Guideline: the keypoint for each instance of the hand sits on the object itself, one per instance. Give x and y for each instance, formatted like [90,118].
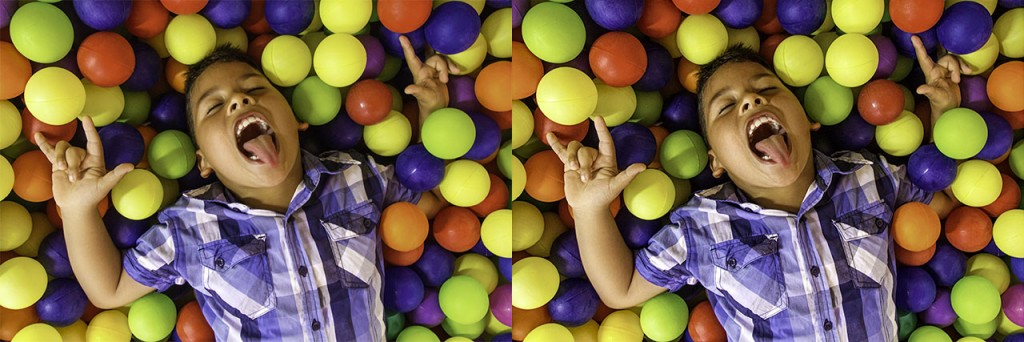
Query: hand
[592,178]
[80,177]
[942,79]
[430,79]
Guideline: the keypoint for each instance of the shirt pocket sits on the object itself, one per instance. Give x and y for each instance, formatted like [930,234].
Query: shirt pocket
[866,243]
[353,243]
[237,274]
[748,272]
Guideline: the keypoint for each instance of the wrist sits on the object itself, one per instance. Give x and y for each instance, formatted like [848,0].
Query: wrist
[78,210]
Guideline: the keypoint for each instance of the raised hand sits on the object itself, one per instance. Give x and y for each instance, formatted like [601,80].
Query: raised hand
[80,177]
[942,79]
[430,78]
[592,178]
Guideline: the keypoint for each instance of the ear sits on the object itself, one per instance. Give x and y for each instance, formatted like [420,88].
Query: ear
[205,169]
[303,126]
[815,126]
[717,170]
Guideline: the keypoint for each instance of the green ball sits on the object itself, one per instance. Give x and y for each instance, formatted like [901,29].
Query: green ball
[650,195]
[136,108]
[905,324]
[902,136]
[315,102]
[984,330]
[152,317]
[463,299]
[41,32]
[553,32]
[960,133]
[10,126]
[684,154]
[827,102]
[977,183]
[391,66]
[929,333]
[448,133]
[648,108]
[663,318]
[390,136]
[393,325]
[138,195]
[171,154]
[470,330]
[903,67]
[417,333]
[975,299]
[1017,159]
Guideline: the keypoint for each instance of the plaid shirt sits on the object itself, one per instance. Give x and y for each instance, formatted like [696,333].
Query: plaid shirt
[824,273]
[311,274]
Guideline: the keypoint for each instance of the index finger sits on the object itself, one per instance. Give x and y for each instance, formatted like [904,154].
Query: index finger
[93,144]
[605,144]
[557,147]
[922,54]
[410,54]
[45,147]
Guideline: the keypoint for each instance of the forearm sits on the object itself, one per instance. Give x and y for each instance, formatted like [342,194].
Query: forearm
[95,260]
[606,258]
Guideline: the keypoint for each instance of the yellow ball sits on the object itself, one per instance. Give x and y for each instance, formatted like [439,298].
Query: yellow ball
[159,43]
[494,326]
[10,128]
[6,177]
[747,37]
[1008,233]
[103,104]
[528,226]
[478,267]
[286,60]
[535,283]
[17,225]
[37,332]
[497,28]
[339,60]
[549,332]
[622,325]
[902,136]
[22,282]
[54,96]
[798,60]
[851,60]
[522,124]
[1008,31]
[990,267]
[857,16]
[465,183]
[586,332]
[390,136]
[567,96]
[496,232]
[110,325]
[1006,326]
[553,227]
[345,16]
[615,104]
[650,195]
[138,195]
[701,38]
[41,227]
[232,36]
[984,58]
[189,38]
[74,332]
[977,183]
[471,59]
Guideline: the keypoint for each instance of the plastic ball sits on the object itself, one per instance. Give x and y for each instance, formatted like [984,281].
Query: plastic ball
[403,290]
[23,281]
[700,48]
[152,317]
[615,104]
[6,178]
[634,144]
[801,16]
[575,302]
[1000,86]
[1008,234]
[478,267]
[497,198]
[960,133]
[650,195]
[110,325]
[171,154]
[915,289]
[463,299]
[448,133]
[977,183]
[33,181]
[286,60]
[968,229]
[12,82]
[1000,137]
[73,332]
[566,96]
[940,313]
[1009,198]
[403,226]
[857,16]
[975,299]
[828,102]
[888,57]
[418,170]
[664,317]
[622,325]
[738,13]
[289,17]
[618,59]
[683,154]
[1010,40]
[124,144]
[1013,303]
[339,60]
[1016,159]
[189,38]
[880,102]
[496,232]
[528,227]
[17,225]
[536,282]
[106,59]
[368,102]
[549,332]
[964,27]
[54,96]
[390,136]
[191,325]
[226,13]
[528,71]
[428,313]
[138,195]
[492,87]
[435,265]
[41,43]
[902,136]
[37,332]
[124,232]
[345,16]
[168,113]
[317,103]
[403,16]
[984,58]
[465,183]
[915,16]
[930,170]
[452,27]
[851,60]
[553,32]
[930,334]
[147,67]
[990,267]
[615,15]
[53,255]
[798,61]
[488,137]
[565,255]
[915,227]
[417,333]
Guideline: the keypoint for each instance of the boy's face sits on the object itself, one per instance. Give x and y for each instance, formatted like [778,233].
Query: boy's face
[245,130]
[756,128]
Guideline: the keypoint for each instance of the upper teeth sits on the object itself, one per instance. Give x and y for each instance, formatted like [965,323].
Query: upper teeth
[761,121]
[248,121]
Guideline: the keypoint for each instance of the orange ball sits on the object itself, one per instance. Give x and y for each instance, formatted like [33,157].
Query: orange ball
[147,19]
[768,22]
[192,325]
[968,229]
[915,16]
[402,258]
[704,325]
[147,135]
[53,214]
[183,7]
[368,102]
[915,226]
[602,312]
[1016,119]
[524,321]
[696,7]
[492,87]
[12,321]
[618,59]
[1008,198]
[565,214]
[527,71]
[687,73]
[542,126]
[909,258]
[403,16]
[32,172]
[403,226]
[53,134]
[659,18]
[175,72]
[17,71]
[256,24]
[497,198]
[544,177]
[106,59]
[659,136]
[1004,86]
[456,229]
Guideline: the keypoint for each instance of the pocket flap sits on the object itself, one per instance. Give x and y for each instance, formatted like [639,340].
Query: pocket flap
[738,253]
[869,221]
[349,223]
[226,253]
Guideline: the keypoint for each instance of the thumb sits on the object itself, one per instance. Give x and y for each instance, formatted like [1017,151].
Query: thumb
[623,178]
[413,90]
[114,176]
[925,90]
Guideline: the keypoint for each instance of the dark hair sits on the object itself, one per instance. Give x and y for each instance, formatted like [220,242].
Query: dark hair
[222,54]
[734,54]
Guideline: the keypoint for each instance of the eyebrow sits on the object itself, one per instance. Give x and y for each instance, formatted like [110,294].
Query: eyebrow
[240,79]
[722,91]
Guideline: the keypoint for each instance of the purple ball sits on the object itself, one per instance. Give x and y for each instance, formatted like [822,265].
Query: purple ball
[488,137]
[931,170]
[887,56]
[634,143]
[288,16]
[499,3]
[103,15]
[947,265]
[419,170]
[53,255]
[738,14]
[375,56]
[452,27]
[974,93]
[393,47]
[801,16]
[615,15]
[660,68]
[680,112]
[7,8]
[964,27]
[507,337]
[428,313]
[462,94]
[991,248]
[435,265]
[636,231]
[1008,4]
[403,289]
[575,303]
[706,180]
[63,303]
[194,180]
[501,304]
[341,133]
[581,63]
[1017,267]
[565,255]
[940,313]
[1018,337]
[123,231]
[148,68]
[1013,303]
[479,248]
[123,144]
[853,133]
[1000,137]
[905,47]
[226,13]
[505,267]
[519,9]
[915,289]
[168,112]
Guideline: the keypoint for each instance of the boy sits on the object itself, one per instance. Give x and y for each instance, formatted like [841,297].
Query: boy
[283,247]
[795,248]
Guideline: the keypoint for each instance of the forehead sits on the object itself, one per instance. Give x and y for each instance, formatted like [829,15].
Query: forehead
[220,74]
[734,74]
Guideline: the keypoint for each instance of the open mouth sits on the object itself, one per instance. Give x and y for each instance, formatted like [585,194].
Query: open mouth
[255,139]
[768,139]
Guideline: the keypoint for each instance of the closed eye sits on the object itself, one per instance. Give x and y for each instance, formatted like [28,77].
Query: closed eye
[766,90]
[213,108]
[253,90]
[725,109]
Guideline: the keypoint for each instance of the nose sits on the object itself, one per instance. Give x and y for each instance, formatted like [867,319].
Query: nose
[752,101]
[240,100]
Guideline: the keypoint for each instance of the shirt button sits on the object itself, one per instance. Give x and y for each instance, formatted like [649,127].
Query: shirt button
[731,262]
[219,262]
[828,325]
[303,271]
[316,325]
[815,271]
[367,224]
[879,223]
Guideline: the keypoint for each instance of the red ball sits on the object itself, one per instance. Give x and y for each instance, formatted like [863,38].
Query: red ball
[915,16]
[704,325]
[183,7]
[1008,198]
[256,23]
[769,45]
[659,18]
[542,126]
[968,229]
[398,258]
[106,59]
[696,7]
[497,198]
[147,19]
[403,16]
[456,229]
[618,59]
[368,102]
[880,102]
[192,326]
[768,22]
[53,134]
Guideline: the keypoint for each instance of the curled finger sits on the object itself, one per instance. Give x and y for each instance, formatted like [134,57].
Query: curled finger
[59,158]
[586,156]
[572,155]
[74,157]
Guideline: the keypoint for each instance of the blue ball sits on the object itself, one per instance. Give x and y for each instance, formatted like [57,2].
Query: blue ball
[853,133]
[194,180]
[53,255]
[801,16]
[947,265]
[660,68]
[226,13]
[615,15]
[419,170]
[991,248]
[394,47]
[148,67]
[341,133]
[488,137]
[1010,4]
[168,112]
[462,94]
[636,231]
[507,337]
[738,14]
[435,265]
[505,267]
[403,289]
[289,16]
[479,248]
[63,303]
[452,27]
[964,27]
[634,143]
[499,3]
[565,255]
[915,289]
[706,180]
[906,47]
[1017,337]
[1000,137]
[575,303]
[931,170]
[124,144]
[123,231]
[680,112]
[102,15]
[1017,267]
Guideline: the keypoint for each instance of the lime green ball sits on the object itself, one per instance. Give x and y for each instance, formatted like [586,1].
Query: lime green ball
[417,333]
[315,102]
[37,332]
[478,267]
[152,317]
[138,195]
[465,183]
[902,136]
[497,29]
[798,60]
[463,299]
[650,195]
[549,332]
[345,16]
[975,299]
[648,108]
[615,104]
[396,98]
[857,16]
[684,154]
[977,183]
[464,330]
[6,177]
[23,281]
[990,267]
[664,317]
[1017,159]
[110,325]
[171,154]
[469,60]
[339,60]
[960,133]
[908,99]
[54,96]
[1008,233]
[701,38]
[103,104]
[17,222]
[136,108]
[928,333]
[622,325]
[495,327]
[527,227]
[851,60]
[566,95]
[496,232]
[553,32]
[189,38]
[41,32]
[970,339]
[983,330]
[448,133]
[10,125]
[390,136]
[522,124]
[1007,30]
[827,102]
[536,281]
[286,60]
[512,168]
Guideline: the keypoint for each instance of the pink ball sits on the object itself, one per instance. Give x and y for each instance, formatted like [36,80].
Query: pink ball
[501,304]
[1013,304]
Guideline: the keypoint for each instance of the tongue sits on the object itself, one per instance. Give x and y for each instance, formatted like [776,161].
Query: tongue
[263,148]
[775,147]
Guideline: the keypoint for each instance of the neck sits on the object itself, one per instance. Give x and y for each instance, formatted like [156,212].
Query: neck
[275,198]
[787,198]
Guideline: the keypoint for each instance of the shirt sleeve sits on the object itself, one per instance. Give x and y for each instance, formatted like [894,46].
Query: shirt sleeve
[151,262]
[394,191]
[662,261]
[906,191]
